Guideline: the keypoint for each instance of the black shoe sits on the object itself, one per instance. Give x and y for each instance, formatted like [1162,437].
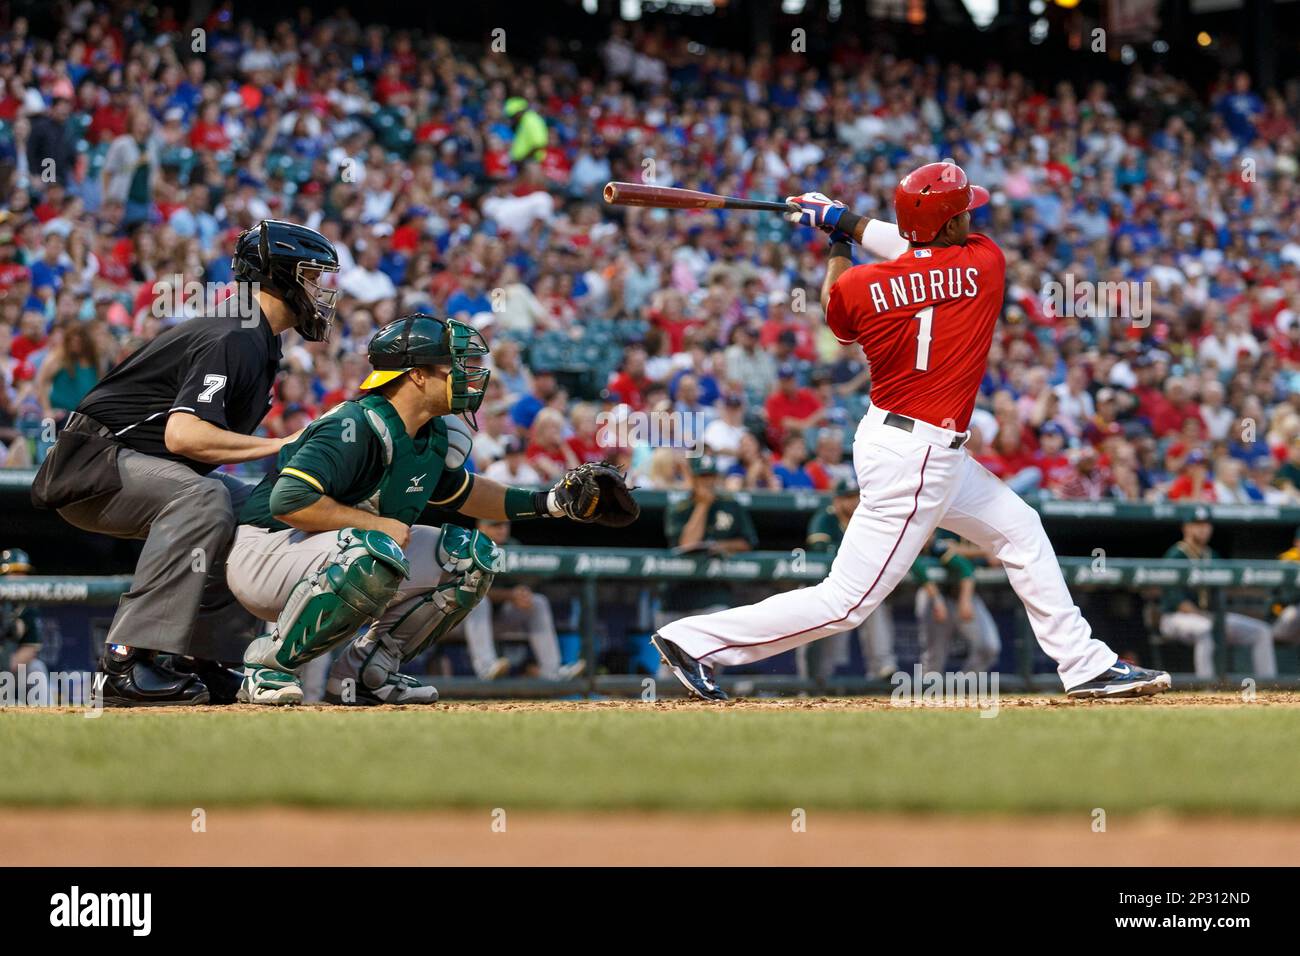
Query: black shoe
[222,683]
[133,678]
[695,677]
[1122,680]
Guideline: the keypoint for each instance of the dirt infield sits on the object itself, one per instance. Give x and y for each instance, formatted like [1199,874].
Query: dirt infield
[1270,698]
[466,838]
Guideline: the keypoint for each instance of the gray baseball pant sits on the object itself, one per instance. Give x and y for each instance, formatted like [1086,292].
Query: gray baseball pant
[178,601]
[536,623]
[935,637]
[876,638]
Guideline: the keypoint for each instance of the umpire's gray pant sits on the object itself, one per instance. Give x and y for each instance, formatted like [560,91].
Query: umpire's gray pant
[178,601]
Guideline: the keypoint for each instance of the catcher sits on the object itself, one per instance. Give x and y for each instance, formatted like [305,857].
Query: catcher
[328,545]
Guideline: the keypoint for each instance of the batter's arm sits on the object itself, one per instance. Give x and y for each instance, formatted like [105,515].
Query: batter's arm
[840,262]
[879,238]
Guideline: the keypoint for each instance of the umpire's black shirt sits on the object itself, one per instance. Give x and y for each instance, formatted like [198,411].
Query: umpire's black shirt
[221,370]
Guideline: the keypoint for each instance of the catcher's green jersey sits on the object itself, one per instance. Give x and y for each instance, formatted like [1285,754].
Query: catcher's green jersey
[359,454]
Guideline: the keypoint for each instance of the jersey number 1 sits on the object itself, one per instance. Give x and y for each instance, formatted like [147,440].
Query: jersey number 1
[926,317]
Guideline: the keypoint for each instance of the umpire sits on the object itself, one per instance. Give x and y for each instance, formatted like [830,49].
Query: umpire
[137,456]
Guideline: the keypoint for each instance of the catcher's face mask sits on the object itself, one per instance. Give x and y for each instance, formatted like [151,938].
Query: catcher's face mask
[467,384]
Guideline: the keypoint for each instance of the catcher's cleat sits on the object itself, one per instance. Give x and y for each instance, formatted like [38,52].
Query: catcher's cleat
[263,685]
[132,677]
[1122,680]
[396,689]
[695,676]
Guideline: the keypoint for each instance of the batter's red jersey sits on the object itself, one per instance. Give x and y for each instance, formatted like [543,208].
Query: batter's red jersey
[925,321]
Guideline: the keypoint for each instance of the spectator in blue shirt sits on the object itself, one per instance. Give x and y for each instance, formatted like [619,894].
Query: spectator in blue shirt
[1239,108]
[48,271]
[526,408]
[790,470]
[470,299]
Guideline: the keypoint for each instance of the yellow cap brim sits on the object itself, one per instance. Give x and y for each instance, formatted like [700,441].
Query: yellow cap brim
[377,378]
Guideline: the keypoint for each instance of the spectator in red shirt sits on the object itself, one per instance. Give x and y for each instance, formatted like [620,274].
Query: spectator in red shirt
[792,407]
[668,313]
[547,451]
[208,135]
[1151,401]
[585,440]
[1089,481]
[628,385]
[1286,347]
[828,465]
[109,120]
[1194,483]
[390,89]
[1178,408]
[353,368]
[556,167]
[12,272]
[1012,455]
[31,335]
[1051,459]
[779,319]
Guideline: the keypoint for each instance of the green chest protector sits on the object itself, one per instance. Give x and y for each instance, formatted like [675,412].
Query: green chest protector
[412,467]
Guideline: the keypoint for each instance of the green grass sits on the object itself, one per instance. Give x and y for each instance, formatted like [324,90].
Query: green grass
[1186,759]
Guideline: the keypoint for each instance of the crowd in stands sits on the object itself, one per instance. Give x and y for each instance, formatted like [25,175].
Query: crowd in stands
[467,184]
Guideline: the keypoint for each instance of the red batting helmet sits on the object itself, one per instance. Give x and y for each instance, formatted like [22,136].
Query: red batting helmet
[931,195]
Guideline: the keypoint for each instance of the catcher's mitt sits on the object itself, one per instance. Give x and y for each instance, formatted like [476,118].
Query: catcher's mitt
[596,493]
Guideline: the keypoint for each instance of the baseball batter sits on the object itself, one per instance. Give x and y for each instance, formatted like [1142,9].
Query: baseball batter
[925,319]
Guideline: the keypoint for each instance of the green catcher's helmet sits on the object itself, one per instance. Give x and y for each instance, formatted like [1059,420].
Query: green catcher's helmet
[415,340]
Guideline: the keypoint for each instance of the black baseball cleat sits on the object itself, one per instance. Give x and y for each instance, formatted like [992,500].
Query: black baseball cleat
[222,683]
[131,677]
[1122,680]
[695,676]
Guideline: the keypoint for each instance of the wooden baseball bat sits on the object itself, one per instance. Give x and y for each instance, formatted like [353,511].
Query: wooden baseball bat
[668,197]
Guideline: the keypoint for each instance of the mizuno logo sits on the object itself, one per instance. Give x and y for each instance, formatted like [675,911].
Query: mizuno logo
[415,484]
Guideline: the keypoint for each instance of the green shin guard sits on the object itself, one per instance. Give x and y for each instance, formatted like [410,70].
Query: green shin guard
[329,605]
[471,561]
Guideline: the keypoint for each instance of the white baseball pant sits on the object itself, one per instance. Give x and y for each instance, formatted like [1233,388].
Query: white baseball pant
[911,483]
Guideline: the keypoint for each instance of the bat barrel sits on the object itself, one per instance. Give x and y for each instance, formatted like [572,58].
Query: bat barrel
[668,197]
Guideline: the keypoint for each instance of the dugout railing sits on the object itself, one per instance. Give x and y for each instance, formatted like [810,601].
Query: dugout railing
[594,578]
